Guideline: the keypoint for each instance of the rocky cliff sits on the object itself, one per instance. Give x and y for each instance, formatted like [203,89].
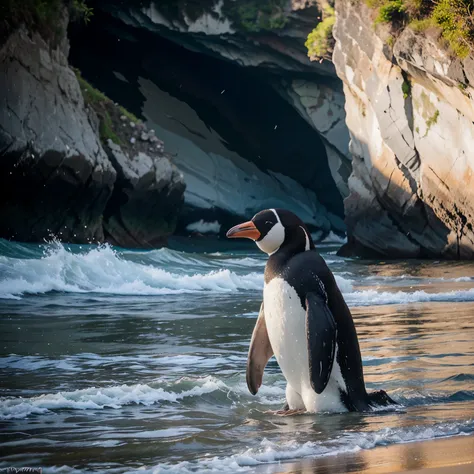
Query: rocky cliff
[249,121]
[410,112]
[57,178]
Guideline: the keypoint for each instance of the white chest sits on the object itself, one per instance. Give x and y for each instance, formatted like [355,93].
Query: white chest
[286,327]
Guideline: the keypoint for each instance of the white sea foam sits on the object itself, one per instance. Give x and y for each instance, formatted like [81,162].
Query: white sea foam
[419,279]
[373,297]
[344,284]
[114,397]
[99,398]
[271,452]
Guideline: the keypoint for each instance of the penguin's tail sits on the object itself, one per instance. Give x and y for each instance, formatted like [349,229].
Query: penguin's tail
[381,399]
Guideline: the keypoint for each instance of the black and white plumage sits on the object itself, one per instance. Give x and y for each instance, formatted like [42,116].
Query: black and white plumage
[304,321]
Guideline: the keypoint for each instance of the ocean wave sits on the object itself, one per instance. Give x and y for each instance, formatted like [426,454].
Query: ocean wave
[103,270]
[107,271]
[404,279]
[106,397]
[271,452]
[244,262]
[424,397]
[33,363]
[373,297]
[117,396]
[344,284]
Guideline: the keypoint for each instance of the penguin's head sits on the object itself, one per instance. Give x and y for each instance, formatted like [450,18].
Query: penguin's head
[273,229]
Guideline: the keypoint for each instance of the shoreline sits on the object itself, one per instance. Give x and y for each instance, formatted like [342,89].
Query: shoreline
[454,455]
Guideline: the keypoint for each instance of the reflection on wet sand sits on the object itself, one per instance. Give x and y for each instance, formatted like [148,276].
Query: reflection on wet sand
[418,340]
[443,456]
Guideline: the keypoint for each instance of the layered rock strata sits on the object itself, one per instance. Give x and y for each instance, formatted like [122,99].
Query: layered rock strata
[410,113]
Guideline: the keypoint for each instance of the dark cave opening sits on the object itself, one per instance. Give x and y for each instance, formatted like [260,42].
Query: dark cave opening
[238,104]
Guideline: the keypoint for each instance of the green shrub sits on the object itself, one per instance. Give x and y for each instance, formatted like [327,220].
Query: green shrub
[320,40]
[406,89]
[457,24]
[454,18]
[78,10]
[390,11]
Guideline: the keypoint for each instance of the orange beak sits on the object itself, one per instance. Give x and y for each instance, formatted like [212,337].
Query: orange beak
[245,230]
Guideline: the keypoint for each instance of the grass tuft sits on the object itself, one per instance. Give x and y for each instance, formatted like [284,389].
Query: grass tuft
[106,129]
[103,107]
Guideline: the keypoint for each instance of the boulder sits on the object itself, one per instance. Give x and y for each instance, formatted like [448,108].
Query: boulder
[147,198]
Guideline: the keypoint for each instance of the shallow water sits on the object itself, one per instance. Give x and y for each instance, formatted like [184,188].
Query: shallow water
[126,360]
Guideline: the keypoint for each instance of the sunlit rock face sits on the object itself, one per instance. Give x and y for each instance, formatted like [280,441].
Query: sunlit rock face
[248,119]
[410,113]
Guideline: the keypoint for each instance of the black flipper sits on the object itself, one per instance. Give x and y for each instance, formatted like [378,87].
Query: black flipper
[321,334]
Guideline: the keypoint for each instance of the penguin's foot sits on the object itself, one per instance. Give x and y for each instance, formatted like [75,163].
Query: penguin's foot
[380,398]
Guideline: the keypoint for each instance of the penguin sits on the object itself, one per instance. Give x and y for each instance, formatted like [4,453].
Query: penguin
[305,322]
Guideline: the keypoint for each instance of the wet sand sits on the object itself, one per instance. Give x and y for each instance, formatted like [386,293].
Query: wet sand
[441,456]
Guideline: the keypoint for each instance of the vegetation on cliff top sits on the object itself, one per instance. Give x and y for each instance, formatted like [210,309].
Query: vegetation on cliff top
[454,18]
[320,40]
[43,16]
